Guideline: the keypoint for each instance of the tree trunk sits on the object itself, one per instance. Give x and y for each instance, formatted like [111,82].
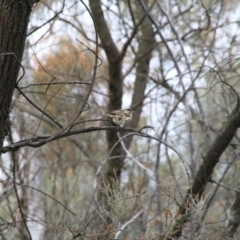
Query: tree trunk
[14,19]
[110,175]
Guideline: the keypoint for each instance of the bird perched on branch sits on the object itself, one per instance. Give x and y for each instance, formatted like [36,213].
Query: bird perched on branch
[121,116]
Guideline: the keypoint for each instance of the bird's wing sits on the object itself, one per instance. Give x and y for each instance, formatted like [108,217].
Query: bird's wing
[109,115]
[117,112]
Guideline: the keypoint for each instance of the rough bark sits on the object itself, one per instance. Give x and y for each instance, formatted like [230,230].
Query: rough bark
[205,171]
[14,17]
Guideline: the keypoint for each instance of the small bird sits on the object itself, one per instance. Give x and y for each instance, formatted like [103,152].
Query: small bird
[121,116]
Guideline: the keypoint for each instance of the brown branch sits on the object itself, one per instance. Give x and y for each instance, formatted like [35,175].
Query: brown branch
[39,141]
[26,186]
[54,83]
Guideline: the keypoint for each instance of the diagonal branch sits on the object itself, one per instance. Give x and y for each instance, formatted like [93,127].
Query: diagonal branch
[205,171]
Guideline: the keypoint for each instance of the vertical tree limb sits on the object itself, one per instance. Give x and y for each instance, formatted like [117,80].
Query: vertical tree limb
[113,168]
[13,29]
[146,46]
[112,171]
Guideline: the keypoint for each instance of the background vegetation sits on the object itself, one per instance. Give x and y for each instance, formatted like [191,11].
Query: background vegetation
[67,172]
